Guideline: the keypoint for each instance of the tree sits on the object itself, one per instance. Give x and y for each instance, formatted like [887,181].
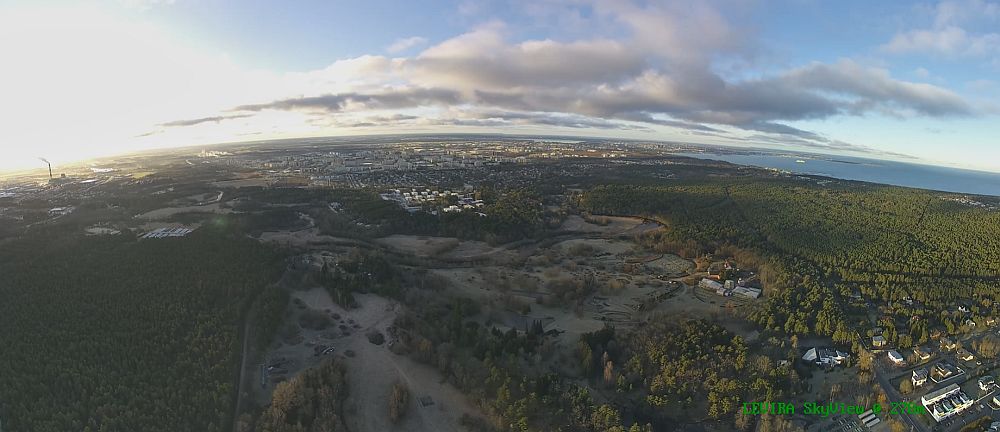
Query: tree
[905,386]
[399,401]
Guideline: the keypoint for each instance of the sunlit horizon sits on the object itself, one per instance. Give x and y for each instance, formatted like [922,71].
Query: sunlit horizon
[104,78]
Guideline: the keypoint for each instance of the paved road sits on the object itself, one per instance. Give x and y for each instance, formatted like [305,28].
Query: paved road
[238,406]
[894,396]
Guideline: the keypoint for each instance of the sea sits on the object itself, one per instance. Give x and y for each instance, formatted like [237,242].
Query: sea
[895,173]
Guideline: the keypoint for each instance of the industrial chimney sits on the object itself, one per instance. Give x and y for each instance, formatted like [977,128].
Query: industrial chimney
[50,166]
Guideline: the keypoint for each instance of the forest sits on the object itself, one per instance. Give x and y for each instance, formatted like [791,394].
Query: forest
[823,243]
[114,334]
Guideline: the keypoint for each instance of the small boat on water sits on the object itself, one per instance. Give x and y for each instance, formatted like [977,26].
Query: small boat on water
[800,161]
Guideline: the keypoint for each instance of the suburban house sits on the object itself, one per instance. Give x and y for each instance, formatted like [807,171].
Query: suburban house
[986,383]
[825,357]
[965,355]
[922,353]
[878,341]
[947,344]
[896,358]
[919,377]
[944,370]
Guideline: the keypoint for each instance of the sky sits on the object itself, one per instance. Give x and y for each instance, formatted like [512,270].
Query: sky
[911,81]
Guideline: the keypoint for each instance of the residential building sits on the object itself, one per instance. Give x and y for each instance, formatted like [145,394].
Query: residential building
[944,370]
[965,355]
[986,383]
[896,358]
[947,344]
[946,402]
[878,341]
[825,357]
[919,377]
[923,354]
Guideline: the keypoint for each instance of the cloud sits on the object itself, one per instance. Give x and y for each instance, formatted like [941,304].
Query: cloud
[959,28]
[955,12]
[405,44]
[656,71]
[342,102]
[947,41]
[213,119]
[484,60]
[145,4]
[553,119]
[874,88]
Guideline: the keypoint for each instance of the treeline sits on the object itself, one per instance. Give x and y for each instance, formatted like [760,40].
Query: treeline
[111,334]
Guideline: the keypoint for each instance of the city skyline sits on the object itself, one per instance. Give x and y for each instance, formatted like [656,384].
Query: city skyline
[902,81]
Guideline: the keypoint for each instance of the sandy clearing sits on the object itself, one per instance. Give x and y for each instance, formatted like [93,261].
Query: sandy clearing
[600,246]
[373,369]
[304,238]
[164,213]
[424,246]
[250,182]
[481,285]
[670,264]
[615,224]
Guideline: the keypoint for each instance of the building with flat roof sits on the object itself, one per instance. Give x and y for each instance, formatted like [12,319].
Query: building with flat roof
[746,292]
[946,402]
[710,284]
